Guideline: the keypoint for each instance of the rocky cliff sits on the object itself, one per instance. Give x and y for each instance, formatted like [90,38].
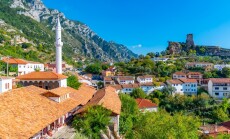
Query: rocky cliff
[80,41]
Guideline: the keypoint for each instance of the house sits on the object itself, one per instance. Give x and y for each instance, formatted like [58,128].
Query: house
[108,81]
[47,80]
[23,66]
[128,88]
[38,113]
[52,67]
[5,84]
[178,75]
[146,105]
[207,66]
[147,87]
[158,59]
[109,99]
[184,86]
[220,67]
[125,80]
[111,71]
[195,75]
[214,129]
[145,79]
[219,87]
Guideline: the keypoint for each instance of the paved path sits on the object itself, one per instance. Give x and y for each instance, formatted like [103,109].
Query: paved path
[65,132]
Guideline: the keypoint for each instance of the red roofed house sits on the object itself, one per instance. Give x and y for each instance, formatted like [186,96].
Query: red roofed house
[195,75]
[146,105]
[178,75]
[219,87]
[125,80]
[184,86]
[24,66]
[46,80]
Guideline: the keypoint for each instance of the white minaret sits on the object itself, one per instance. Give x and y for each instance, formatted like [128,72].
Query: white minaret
[58,45]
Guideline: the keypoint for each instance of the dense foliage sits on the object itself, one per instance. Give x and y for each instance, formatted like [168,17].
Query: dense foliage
[72,81]
[92,122]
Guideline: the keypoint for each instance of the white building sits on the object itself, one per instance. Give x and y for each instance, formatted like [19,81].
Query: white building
[219,87]
[149,87]
[184,86]
[125,80]
[146,105]
[128,88]
[23,66]
[220,67]
[158,59]
[145,79]
[179,75]
[5,84]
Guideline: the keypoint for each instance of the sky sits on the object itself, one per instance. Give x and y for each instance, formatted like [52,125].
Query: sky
[147,25]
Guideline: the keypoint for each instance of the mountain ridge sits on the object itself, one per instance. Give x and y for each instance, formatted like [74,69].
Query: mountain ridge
[80,42]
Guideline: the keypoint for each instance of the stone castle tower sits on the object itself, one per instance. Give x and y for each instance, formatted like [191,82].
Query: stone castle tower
[58,45]
[189,41]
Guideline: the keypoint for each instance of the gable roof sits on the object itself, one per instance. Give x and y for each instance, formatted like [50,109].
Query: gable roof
[175,81]
[145,76]
[106,97]
[220,80]
[188,80]
[123,78]
[41,75]
[145,103]
[24,111]
[14,61]
[180,73]
[194,73]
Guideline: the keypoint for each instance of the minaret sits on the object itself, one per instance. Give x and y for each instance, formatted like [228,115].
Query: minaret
[58,45]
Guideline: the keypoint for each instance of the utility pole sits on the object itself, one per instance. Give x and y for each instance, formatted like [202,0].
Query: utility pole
[7,67]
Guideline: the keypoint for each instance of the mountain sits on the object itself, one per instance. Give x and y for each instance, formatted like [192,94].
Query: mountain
[31,24]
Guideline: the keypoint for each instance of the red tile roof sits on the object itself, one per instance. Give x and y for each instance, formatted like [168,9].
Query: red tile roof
[107,97]
[180,73]
[122,78]
[194,73]
[145,103]
[130,85]
[175,81]
[108,79]
[188,80]
[14,61]
[220,80]
[38,75]
[145,76]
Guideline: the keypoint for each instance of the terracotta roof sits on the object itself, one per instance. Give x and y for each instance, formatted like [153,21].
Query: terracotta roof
[145,103]
[49,65]
[106,97]
[14,61]
[220,80]
[108,79]
[213,128]
[146,84]
[194,73]
[188,80]
[130,85]
[117,87]
[29,112]
[226,124]
[38,75]
[4,77]
[180,73]
[145,76]
[122,78]
[175,81]
[62,91]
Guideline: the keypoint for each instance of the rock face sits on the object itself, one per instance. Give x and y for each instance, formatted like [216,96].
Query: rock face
[78,37]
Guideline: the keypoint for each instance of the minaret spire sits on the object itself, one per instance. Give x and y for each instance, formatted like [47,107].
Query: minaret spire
[58,45]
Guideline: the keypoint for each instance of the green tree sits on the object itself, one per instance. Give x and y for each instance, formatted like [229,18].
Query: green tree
[129,115]
[162,125]
[226,72]
[94,69]
[138,93]
[72,81]
[151,54]
[93,121]
[168,89]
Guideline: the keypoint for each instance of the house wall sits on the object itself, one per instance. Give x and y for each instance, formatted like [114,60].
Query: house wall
[63,83]
[28,68]
[125,81]
[175,76]
[190,88]
[146,80]
[5,85]
[153,109]
[179,88]
[219,91]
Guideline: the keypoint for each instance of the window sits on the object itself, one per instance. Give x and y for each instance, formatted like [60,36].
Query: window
[216,88]
[181,90]
[225,88]
[217,94]
[225,94]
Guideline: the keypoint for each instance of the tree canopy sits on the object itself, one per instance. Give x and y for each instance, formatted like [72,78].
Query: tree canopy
[72,81]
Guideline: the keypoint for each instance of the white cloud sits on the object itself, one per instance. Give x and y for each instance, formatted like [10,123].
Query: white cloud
[137,46]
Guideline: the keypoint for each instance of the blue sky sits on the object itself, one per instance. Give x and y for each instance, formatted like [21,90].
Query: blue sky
[146,25]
